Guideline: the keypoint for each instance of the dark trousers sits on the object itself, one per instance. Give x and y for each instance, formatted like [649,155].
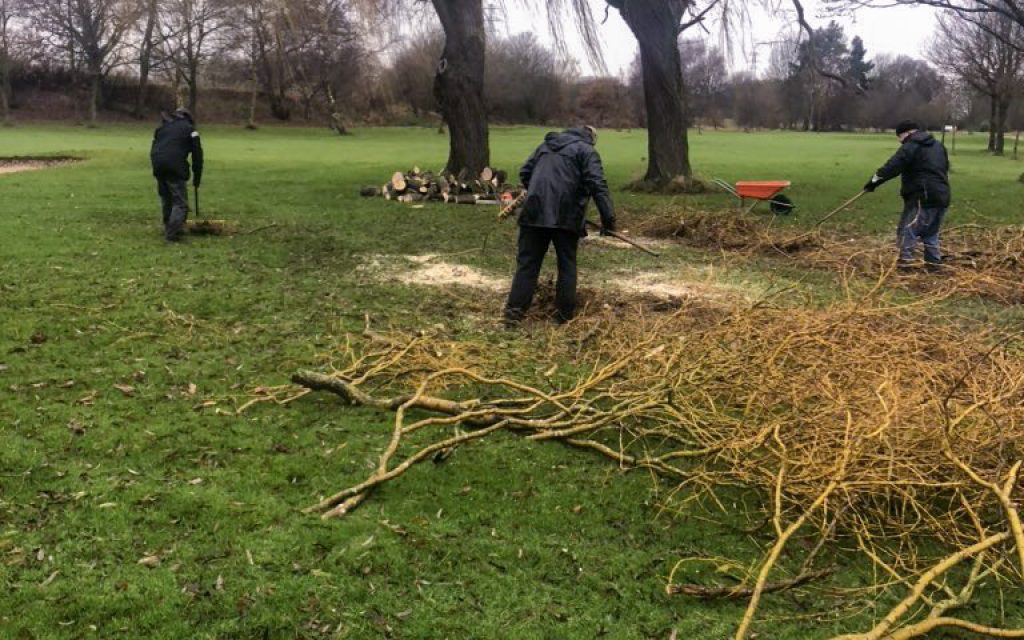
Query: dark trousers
[533,244]
[174,201]
[920,223]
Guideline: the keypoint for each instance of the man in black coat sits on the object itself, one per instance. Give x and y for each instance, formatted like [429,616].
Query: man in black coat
[560,177]
[924,166]
[173,142]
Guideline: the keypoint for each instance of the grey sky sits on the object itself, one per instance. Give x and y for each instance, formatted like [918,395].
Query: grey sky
[905,30]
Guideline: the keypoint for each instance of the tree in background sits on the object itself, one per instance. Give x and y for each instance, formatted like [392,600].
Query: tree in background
[816,75]
[187,30]
[987,54]
[602,102]
[657,25]
[524,81]
[411,76]
[7,10]
[704,80]
[90,32]
[904,88]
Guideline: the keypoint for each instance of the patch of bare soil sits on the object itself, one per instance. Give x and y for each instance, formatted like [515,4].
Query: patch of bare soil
[19,164]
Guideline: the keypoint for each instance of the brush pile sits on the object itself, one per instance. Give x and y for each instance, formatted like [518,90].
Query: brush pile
[980,262]
[490,187]
[879,430]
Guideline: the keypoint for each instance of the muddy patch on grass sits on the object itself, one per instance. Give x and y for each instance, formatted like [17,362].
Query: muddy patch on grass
[30,163]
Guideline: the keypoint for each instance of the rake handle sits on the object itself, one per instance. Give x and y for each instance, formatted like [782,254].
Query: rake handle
[629,241]
[840,208]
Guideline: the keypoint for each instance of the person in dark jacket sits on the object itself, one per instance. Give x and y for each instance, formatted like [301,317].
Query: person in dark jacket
[173,142]
[560,177]
[924,166]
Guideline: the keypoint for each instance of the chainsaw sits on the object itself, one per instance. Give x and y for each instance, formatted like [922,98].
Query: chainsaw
[507,210]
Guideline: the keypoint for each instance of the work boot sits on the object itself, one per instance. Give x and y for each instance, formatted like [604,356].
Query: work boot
[935,267]
[512,318]
[906,266]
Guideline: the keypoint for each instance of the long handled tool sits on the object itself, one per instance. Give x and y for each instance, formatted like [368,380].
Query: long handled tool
[840,208]
[829,215]
[626,239]
[195,190]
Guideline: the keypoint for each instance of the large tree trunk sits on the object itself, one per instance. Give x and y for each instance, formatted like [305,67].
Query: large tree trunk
[145,59]
[94,96]
[1002,112]
[459,84]
[5,88]
[992,123]
[254,90]
[655,23]
[193,87]
[337,123]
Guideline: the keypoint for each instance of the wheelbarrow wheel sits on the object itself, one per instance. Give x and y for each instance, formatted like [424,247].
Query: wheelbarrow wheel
[781,205]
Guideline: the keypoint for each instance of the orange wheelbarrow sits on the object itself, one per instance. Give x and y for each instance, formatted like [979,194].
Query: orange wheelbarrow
[759,191]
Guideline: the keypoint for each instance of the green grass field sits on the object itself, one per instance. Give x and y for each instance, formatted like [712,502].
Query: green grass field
[514,540]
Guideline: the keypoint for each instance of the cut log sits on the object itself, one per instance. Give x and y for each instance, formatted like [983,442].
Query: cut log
[369,192]
[486,174]
[398,181]
[443,185]
[411,196]
[500,177]
[466,198]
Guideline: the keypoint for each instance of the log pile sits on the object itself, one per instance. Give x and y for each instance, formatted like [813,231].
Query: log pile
[490,187]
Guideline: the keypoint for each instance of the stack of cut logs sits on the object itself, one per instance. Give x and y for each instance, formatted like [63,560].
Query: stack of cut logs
[415,186]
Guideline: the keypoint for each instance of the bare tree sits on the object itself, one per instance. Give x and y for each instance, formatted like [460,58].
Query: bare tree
[984,53]
[90,31]
[7,10]
[186,30]
[704,78]
[145,49]
[974,11]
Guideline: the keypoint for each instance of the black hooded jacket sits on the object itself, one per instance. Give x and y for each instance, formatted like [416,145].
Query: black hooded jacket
[559,177]
[173,141]
[924,165]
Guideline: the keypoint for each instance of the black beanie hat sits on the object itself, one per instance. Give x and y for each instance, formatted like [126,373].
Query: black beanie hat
[905,126]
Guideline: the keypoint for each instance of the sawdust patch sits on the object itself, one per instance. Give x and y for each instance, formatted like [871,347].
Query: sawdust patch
[431,270]
[665,286]
[17,165]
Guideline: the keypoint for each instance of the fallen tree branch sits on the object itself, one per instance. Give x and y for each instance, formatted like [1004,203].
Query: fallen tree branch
[739,592]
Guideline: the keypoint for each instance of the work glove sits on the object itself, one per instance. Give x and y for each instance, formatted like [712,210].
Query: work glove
[871,185]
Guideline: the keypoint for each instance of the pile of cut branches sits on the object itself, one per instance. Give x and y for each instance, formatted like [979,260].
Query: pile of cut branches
[982,262]
[867,426]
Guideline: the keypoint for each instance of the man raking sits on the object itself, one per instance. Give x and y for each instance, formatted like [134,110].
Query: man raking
[173,142]
[924,166]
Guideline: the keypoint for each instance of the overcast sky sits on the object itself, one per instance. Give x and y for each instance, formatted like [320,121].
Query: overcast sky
[905,30]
